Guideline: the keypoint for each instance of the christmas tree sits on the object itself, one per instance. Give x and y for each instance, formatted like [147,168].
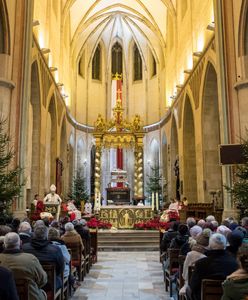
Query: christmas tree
[79,190]
[154,183]
[239,190]
[10,185]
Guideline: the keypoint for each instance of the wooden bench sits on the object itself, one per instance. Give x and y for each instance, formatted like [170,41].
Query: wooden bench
[52,293]
[172,255]
[86,253]
[22,286]
[77,258]
[211,289]
[180,280]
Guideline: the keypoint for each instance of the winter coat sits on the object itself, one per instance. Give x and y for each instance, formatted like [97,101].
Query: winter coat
[235,287]
[26,266]
[179,241]
[66,255]
[217,265]
[45,251]
[72,237]
[7,285]
[167,238]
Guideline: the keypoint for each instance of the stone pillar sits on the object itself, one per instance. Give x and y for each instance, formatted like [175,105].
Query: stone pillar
[98,169]
[138,173]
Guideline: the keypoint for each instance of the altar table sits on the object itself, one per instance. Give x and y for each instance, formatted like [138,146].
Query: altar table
[125,216]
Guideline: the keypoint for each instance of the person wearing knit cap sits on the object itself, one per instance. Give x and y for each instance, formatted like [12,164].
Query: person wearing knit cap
[234,239]
[197,252]
[194,232]
[201,223]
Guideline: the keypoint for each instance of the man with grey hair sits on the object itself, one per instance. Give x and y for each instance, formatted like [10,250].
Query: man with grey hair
[210,218]
[217,265]
[23,265]
[45,251]
[25,232]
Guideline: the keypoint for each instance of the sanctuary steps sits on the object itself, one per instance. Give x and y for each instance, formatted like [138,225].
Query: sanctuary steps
[128,240]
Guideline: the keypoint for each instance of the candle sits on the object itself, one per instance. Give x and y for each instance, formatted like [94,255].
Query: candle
[99,204]
[157,204]
[95,205]
[152,201]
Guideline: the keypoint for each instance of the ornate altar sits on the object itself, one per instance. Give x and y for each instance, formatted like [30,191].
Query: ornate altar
[119,133]
[53,209]
[124,217]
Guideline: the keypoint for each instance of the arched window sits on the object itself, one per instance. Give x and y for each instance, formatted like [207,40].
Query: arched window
[4,29]
[246,35]
[116,59]
[154,66]
[81,65]
[96,64]
[137,64]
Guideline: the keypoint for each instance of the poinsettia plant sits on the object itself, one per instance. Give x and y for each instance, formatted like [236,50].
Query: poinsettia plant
[153,224]
[95,223]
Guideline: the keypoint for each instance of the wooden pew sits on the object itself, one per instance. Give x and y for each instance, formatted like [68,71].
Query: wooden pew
[22,286]
[52,293]
[211,289]
[77,259]
[180,280]
[172,255]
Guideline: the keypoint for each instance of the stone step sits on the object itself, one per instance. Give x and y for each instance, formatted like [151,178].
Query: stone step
[128,240]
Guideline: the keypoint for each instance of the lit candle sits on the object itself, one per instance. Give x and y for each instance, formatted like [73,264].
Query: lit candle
[152,201]
[157,206]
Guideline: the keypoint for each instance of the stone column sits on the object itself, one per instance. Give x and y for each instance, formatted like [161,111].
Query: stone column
[138,173]
[98,169]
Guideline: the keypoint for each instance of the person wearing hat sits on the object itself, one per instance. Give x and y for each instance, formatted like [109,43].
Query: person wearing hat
[197,252]
[234,239]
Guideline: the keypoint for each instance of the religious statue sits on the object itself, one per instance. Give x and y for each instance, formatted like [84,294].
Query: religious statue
[88,208]
[100,124]
[136,123]
[52,200]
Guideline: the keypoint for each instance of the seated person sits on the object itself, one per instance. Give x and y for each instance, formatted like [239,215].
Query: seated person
[45,251]
[217,265]
[168,236]
[4,229]
[181,238]
[24,266]
[83,230]
[71,236]
[25,232]
[7,285]
[54,237]
[235,287]
[234,239]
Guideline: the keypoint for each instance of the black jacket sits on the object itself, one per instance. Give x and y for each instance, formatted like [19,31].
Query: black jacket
[167,238]
[179,241]
[7,285]
[217,265]
[45,251]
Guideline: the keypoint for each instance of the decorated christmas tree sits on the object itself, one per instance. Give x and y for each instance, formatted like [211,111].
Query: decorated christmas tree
[79,190]
[239,190]
[10,185]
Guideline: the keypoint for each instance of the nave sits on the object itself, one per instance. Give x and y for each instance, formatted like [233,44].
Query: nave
[124,276]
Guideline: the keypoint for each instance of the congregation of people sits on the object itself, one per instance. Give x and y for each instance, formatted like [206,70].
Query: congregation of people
[25,248]
[209,250]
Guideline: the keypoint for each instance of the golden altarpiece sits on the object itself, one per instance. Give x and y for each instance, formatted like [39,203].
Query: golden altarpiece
[120,133]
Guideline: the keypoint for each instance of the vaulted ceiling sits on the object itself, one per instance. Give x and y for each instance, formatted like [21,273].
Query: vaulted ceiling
[143,21]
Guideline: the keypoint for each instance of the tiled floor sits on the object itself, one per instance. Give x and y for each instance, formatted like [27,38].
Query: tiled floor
[124,276]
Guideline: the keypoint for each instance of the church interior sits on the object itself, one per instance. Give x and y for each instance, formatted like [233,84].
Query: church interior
[140,106]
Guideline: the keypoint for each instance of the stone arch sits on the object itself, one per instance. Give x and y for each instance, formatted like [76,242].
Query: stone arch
[35,129]
[154,153]
[92,169]
[4,29]
[63,155]
[174,157]
[210,133]
[164,159]
[189,188]
[71,147]
[51,144]
[243,37]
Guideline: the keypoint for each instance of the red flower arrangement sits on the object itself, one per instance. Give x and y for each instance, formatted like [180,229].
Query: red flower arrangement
[153,224]
[95,223]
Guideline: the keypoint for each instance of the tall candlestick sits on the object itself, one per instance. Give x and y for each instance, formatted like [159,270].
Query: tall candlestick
[152,201]
[99,200]
[95,204]
[157,204]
